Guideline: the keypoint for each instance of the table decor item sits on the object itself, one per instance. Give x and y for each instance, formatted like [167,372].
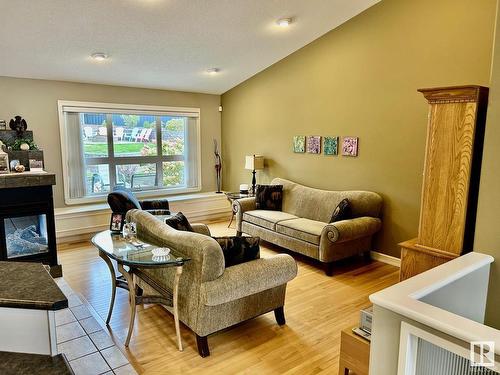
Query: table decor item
[254,163]
[244,189]
[4,160]
[160,251]
[19,125]
[116,223]
[3,125]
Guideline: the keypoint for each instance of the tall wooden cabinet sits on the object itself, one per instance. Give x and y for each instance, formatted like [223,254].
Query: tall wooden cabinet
[453,153]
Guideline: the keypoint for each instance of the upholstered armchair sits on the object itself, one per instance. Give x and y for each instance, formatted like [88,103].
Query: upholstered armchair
[121,201]
[213,297]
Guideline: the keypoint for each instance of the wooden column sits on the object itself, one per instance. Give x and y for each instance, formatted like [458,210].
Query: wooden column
[450,185]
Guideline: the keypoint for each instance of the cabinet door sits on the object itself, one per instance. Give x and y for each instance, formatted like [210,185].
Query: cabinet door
[448,160]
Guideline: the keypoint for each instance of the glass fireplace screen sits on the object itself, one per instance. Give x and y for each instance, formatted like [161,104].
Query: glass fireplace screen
[26,235]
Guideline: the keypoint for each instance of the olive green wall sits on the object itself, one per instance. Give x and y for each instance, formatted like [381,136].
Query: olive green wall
[361,80]
[487,237]
[36,101]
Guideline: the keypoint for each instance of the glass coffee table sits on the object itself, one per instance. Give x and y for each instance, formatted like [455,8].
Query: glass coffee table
[137,255]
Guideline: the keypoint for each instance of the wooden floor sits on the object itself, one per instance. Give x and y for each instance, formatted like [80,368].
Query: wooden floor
[317,308]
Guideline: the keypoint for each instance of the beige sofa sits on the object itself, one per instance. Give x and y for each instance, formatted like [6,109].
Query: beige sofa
[211,296]
[303,224]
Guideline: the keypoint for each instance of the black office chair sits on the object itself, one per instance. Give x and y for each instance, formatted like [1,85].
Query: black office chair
[121,200]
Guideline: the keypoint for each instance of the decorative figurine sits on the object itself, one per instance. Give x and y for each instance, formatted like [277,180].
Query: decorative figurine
[218,166]
[19,125]
[19,168]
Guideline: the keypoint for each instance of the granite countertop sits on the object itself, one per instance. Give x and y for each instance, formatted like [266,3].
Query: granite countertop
[26,179]
[28,364]
[29,286]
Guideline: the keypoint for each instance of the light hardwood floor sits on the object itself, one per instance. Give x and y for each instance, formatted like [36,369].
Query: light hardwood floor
[317,308]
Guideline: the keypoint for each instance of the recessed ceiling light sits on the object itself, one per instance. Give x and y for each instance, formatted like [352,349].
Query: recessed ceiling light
[284,22]
[99,56]
[213,71]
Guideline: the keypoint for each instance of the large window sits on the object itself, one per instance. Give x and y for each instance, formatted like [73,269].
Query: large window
[150,150]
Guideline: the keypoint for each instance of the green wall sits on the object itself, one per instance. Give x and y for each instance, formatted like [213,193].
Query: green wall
[361,80]
[487,237]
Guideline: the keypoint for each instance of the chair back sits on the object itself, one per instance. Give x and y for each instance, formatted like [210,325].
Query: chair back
[121,201]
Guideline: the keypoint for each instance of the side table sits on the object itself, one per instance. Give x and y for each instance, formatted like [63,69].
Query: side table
[354,353]
[232,197]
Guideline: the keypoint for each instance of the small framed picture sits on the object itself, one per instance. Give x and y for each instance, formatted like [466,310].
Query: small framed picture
[299,143]
[36,165]
[3,125]
[116,224]
[350,146]
[313,144]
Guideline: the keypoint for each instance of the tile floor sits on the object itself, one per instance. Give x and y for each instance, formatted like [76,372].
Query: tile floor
[88,348]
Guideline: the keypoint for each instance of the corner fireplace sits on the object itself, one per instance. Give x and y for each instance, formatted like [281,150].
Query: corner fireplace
[27,226]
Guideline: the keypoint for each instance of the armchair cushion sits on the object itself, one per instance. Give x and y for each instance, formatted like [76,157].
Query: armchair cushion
[179,222]
[248,278]
[239,249]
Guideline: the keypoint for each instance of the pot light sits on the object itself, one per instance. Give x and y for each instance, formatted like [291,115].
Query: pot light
[213,71]
[99,56]
[284,22]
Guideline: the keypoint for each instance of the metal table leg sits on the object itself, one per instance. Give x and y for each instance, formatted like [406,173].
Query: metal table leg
[178,272]
[113,284]
[131,292]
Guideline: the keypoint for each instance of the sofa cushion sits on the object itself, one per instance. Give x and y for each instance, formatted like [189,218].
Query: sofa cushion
[265,218]
[269,197]
[179,222]
[342,211]
[302,229]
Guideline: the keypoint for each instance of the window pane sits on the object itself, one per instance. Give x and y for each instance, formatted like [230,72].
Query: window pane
[134,135]
[97,178]
[94,135]
[136,176]
[173,135]
[173,173]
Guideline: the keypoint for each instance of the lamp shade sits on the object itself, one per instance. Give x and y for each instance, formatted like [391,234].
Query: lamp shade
[254,162]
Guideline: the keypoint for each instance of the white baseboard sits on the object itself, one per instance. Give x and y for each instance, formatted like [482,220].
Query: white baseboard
[384,258]
[80,222]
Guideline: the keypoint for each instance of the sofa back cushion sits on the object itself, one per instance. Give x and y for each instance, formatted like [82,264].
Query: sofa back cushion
[316,204]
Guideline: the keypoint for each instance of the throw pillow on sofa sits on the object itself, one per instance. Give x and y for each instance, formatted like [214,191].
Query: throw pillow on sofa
[269,197]
[239,249]
[179,222]
[342,211]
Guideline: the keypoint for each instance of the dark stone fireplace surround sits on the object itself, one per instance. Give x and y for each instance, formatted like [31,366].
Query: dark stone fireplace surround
[29,194]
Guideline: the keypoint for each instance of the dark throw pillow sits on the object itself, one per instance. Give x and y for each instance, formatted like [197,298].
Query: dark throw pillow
[179,222]
[342,211]
[239,249]
[269,197]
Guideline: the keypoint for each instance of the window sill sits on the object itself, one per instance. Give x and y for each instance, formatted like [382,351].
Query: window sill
[87,209]
[148,194]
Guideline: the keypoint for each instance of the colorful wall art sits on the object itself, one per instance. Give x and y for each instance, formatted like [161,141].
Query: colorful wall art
[350,146]
[313,144]
[330,145]
[299,144]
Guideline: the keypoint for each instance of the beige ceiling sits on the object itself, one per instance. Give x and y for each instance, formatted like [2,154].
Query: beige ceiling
[166,44]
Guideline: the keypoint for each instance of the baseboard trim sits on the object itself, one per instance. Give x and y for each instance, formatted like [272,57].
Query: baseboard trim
[384,258]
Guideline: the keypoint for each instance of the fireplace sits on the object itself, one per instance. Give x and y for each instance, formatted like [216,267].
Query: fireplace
[27,228]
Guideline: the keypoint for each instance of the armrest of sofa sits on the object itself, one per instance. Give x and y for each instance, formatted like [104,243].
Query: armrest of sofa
[249,278]
[239,206]
[201,228]
[351,229]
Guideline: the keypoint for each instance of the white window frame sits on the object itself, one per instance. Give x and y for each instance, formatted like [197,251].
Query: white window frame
[128,109]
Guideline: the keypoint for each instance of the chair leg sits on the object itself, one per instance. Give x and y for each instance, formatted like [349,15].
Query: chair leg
[202,343]
[279,314]
[329,269]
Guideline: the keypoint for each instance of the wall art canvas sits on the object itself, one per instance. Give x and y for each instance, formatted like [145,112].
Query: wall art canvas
[313,144]
[299,143]
[350,146]
[331,145]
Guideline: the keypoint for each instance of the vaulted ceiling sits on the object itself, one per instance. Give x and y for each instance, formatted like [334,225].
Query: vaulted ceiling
[167,44]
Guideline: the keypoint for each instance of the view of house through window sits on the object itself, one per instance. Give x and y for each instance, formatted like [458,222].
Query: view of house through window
[140,152]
